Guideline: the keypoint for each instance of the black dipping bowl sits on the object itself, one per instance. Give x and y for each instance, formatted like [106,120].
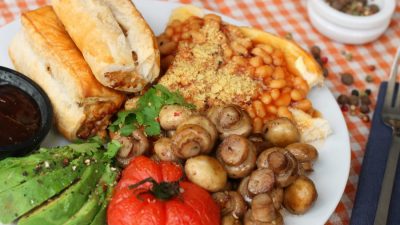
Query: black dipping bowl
[14,78]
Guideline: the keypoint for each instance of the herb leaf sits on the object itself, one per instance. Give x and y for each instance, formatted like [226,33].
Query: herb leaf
[147,111]
[112,149]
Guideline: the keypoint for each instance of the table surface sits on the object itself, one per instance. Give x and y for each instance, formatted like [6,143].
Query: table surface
[290,17]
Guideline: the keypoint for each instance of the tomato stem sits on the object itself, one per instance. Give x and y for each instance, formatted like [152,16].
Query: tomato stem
[162,190]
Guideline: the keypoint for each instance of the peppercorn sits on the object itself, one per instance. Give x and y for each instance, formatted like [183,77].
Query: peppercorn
[369,78]
[65,162]
[368,92]
[324,60]
[371,67]
[364,109]
[325,72]
[343,99]
[349,57]
[365,118]
[347,79]
[355,92]
[365,100]
[354,100]
[315,51]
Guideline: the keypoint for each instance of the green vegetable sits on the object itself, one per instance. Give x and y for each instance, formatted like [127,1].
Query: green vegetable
[112,149]
[17,201]
[98,197]
[147,111]
[100,218]
[59,210]
[15,171]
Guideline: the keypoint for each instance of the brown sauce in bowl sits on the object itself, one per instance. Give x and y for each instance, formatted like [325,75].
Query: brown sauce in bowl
[20,115]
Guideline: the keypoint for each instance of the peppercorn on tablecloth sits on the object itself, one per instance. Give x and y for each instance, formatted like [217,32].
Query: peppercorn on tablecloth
[289,18]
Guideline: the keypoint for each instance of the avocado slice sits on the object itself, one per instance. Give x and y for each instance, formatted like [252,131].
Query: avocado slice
[17,170]
[26,169]
[100,218]
[96,200]
[69,202]
[17,201]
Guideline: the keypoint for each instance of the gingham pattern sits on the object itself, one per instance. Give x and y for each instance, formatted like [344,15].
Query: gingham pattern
[290,16]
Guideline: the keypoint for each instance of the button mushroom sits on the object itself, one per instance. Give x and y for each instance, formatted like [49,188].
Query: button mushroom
[261,181]
[237,155]
[244,190]
[205,123]
[206,172]
[282,162]
[230,119]
[172,115]
[191,140]
[277,197]
[263,212]
[259,142]
[230,220]
[134,145]
[300,195]
[231,203]
[305,154]
[281,132]
[249,220]
[163,150]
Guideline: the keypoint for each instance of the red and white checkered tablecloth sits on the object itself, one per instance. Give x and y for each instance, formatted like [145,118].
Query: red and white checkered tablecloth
[290,16]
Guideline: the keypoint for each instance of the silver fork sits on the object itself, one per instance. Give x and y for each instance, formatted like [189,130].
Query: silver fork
[391,117]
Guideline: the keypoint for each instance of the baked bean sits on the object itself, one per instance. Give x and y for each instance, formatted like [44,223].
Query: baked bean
[185,36]
[267,48]
[251,112]
[257,125]
[271,109]
[259,108]
[266,98]
[286,89]
[245,42]
[256,61]
[259,52]
[277,57]
[297,94]
[168,48]
[178,29]
[240,49]
[239,60]
[267,59]
[228,52]
[277,84]
[283,100]
[169,32]
[278,73]
[198,37]
[263,71]
[275,93]
[283,111]
[304,105]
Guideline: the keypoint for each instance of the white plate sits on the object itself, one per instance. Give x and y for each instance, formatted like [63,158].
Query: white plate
[332,167]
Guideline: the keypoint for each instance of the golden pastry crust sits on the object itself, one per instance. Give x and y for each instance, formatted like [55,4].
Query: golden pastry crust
[44,52]
[115,40]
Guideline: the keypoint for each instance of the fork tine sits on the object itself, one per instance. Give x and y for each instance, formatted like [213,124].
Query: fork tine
[392,83]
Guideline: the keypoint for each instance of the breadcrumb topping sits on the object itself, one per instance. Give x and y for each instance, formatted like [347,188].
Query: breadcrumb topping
[204,77]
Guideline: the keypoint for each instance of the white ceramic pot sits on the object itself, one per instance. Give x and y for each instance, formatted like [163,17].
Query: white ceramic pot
[349,29]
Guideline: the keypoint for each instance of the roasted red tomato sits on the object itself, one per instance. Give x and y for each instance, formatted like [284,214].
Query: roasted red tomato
[151,193]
